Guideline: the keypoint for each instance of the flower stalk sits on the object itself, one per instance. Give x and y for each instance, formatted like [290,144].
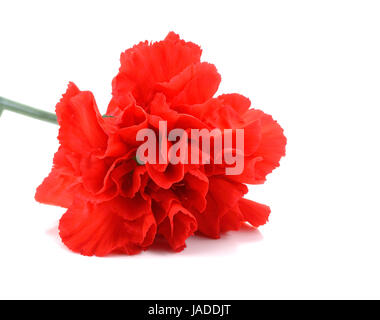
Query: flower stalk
[6,104]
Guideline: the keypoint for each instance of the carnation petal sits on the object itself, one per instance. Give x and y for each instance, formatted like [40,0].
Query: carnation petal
[80,122]
[165,179]
[196,84]
[223,196]
[255,213]
[62,184]
[97,229]
[145,65]
[177,226]
[272,145]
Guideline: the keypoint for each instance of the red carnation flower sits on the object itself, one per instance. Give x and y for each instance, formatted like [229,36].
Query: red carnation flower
[115,203]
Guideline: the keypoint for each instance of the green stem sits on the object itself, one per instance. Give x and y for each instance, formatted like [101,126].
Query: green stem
[9,105]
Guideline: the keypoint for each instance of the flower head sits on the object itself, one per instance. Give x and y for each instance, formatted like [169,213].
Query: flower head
[117,204]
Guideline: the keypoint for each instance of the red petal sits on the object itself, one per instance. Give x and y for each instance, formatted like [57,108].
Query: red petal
[255,213]
[99,230]
[62,184]
[80,122]
[196,84]
[128,177]
[232,220]
[272,145]
[177,226]
[237,101]
[192,190]
[119,103]
[146,64]
[165,179]
[133,119]
[93,171]
[222,197]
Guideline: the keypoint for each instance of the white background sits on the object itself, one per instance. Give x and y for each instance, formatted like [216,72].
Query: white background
[313,65]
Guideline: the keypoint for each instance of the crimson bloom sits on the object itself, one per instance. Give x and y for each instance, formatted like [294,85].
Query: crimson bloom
[115,204]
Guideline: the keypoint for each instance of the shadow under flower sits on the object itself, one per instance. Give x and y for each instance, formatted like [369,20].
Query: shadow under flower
[197,245]
[54,233]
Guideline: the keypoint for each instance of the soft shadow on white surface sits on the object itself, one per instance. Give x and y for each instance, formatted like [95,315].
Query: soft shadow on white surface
[53,232]
[229,242]
[197,245]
